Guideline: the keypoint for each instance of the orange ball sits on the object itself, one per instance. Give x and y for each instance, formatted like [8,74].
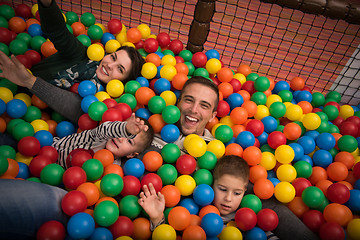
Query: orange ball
[264,188]
[47,49]
[143,95]
[179,80]
[225,74]
[244,69]
[52,126]
[234,149]
[133,35]
[245,94]
[2,125]
[226,89]
[252,155]
[141,229]
[30,22]
[335,212]
[239,115]
[152,161]
[298,207]
[179,218]
[91,191]
[297,83]
[238,129]
[105,157]
[154,58]
[347,184]
[182,68]
[37,102]
[195,220]
[194,233]
[172,195]
[114,168]
[208,209]
[257,172]
[107,199]
[17,24]
[78,28]
[157,122]
[305,106]
[346,158]
[323,185]
[292,131]
[272,83]
[318,174]
[337,171]
[250,107]
[13,169]
[212,123]
[89,211]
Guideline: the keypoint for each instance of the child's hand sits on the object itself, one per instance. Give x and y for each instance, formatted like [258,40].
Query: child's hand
[135,125]
[152,203]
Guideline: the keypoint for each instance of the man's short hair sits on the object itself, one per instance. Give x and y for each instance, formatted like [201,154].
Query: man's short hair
[232,165]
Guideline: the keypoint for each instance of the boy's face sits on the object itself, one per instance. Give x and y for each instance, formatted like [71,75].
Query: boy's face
[124,147]
[229,191]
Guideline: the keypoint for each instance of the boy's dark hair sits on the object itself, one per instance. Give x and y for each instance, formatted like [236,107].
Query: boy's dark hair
[149,134]
[232,165]
[203,81]
[137,61]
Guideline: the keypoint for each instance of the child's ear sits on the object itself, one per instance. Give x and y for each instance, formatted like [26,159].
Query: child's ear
[132,155]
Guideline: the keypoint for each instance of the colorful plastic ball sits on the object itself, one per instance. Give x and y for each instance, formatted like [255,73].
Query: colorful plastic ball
[212,224]
[167,173]
[186,164]
[110,43]
[186,184]
[213,65]
[286,172]
[176,46]
[284,154]
[311,121]
[151,45]
[353,203]
[101,233]
[52,174]
[73,177]
[129,206]
[111,184]
[45,138]
[170,133]
[29,146]
[313,219]
[338,213]
[267,219]
[276,139]
[24,172]
[87,19]
[203,195]
[81,225]
[313,197]
[64,128]
[331,230]
[217,147]
[308,144]
[170,153]
[347,143]
[131,185]
[156,104]
[262,84]
[4,165]
[74,202]
[95,52]
[353,229]
[152,178]
[164,231]
[106,213]
[16,108]
[114,88]
[263,188]
[338,193]
[284,192]
[163,39]
[245,219]
[251,201]
[224,133]
[123,226]
[322,158]
[303,169]
[325,141]
[51,230]
[245,139]
[93,168]
[114,26]
[179,218]
[96,110]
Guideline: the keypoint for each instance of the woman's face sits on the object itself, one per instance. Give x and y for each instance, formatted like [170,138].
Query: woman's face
[114,66]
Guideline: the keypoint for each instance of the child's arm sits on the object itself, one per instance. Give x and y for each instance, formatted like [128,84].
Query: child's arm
[153,204]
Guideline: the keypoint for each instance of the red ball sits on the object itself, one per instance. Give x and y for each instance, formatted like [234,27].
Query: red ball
[163,39]
[23,10]
[331,231]
[74,88]
[112,114]
[338,121]
[245,219]
[267,219]
[354,119]
[255,126]
[276,138]
[77,157]
[85,122]
[199,59]
[313,219]
[5,35]
[333,104]
[139,44]
[74,202]
[300,184]
[338,193]
[125,109]
[152,178]
[223,109]
[186,164]
[51,230]
[151,45]
[49,152]
[114,26]
[179,59]
[122,227]
[29,146]
[356,170]
[348,128]
[236,84]
[74,177]
[131,186]
[37,164]
[24,60]
[33,55]
[249,87]
[176,46]
[110,102]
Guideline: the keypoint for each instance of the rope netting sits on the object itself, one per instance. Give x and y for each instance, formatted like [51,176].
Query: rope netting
[274,41]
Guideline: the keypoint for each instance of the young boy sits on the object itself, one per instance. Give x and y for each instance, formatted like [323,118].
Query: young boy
[123,139]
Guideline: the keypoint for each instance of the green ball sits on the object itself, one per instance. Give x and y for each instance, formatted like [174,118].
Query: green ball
[347,143]
[95,32]
[32,114]
[333,95]
[259,98]
[202,72]
[4,48]
[262,84]
[313,197]
[357,113]
[129,99]
[57,117]
[156,104]
[129,206]
[25,37]
[106,213]
[166,214]
[143,52]
[132,86]
[3,22]
[303,169]
[18,46]
[322,205]
[167,173]
[251,201]
[84,39]
[331,111]
[170,153]
[333,129]
[71,17]
[36,43]
[168,52]
[318,99]
[191,68]
[267,148]
[277,109]
[7,151]
[207,161]
[7,12]
[280,128]
[186,55]
[323,116]
[23,129]
[6,83]
[34,179]
[286,95]
[224,133]
[96,110]
[69,28]
[303,129]
[111,184]
[203,176]
[4,164]
[324,127]
[93,169]
[12,124]
[52,174]
[87,19]
[252,77]
[333,152]
[171,114]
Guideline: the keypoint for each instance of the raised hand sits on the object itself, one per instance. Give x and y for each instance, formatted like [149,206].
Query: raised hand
[152,203]
[135,125]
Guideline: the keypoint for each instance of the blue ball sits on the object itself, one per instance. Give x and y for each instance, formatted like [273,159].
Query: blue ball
[303,96]
[262,138]
[81,225]
[160,54]
[86,88]
[203,195]
[274,180]
[24,171]
[357,184]
[134,167]
[325,141]
[271,174]
[64,128]
[354,201]
[312,133]
[35,30]
[245,139]
[87,101]
[235,100]
[158,71]
[298,150]
[307,159]
[170,133]
[101,233]
[212,224]
[270,124]
[308,144]
[45,138]
[212,53]
[2,107]
[143,113]
[279,86]
[106,37]
[16,108]
[161,85]
[143,81]
[322,158]
[255,233]
[190,205]
[231,141]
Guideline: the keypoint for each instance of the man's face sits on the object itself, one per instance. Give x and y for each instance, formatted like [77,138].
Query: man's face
[196,108]
[114,66]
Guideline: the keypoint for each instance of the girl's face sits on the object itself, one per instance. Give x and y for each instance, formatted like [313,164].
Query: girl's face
[124,147]
[229,191]
[114,66]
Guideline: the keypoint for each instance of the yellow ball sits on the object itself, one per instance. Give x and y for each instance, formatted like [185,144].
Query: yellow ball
[24,159]
[123,29]
[168,72]
[168,60]
[169,97]
[95,52]
[294,112]
[241,77]
[97,184]
[112,45]
[101,26]
[149,70]
[24,97]
[196,147]
[346,111]
[311,121]
[215,127]
[145,30]
[353,229]
[227,121]
[213,65]
[115,88]
[284,154]
[186,184]
[286,173]
[129,44]
[284,192]
[6,94]
[273,98]
[34,9]
[188,139]
[217,147]
[230,233]
[124,238]
[152,36]
[39,124]
[262,111]
[121,37]
[102,95]
[268,160]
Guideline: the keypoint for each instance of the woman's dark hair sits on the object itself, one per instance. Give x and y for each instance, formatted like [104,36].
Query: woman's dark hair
[137,62]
